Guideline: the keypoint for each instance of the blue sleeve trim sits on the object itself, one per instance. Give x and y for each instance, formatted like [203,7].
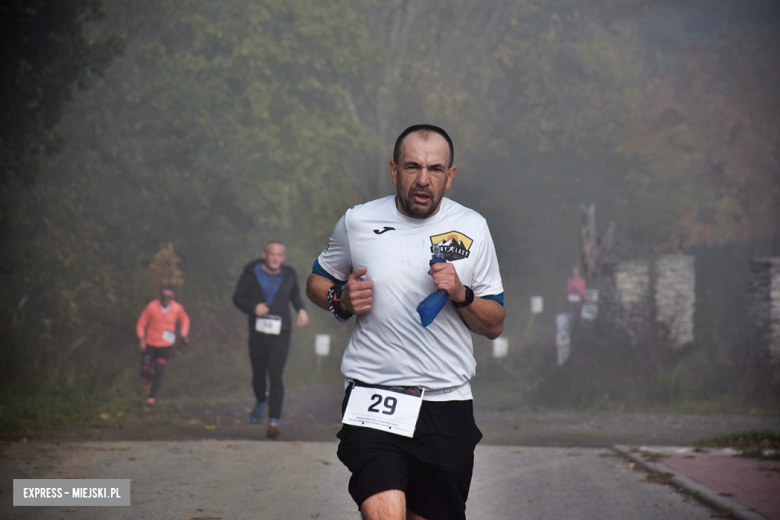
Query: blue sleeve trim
[495,297]
[316,268]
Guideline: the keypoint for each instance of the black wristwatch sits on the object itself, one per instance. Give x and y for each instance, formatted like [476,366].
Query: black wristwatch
[467,301]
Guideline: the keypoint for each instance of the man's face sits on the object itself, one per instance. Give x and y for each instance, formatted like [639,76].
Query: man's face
[274,256]
[422,174]
[166,297]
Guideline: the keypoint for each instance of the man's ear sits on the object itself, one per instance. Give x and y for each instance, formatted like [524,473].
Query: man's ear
[450,176]
[393,172]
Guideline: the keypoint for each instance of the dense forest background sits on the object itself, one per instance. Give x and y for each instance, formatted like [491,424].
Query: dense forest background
[148,141]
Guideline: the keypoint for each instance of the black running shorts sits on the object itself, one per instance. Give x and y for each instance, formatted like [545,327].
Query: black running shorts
[433,468]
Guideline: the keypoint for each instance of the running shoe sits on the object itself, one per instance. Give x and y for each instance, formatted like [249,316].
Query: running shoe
[257,413]
[150,400]
[273,429]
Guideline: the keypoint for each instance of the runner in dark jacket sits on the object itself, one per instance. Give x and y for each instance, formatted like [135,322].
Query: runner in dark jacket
[264,293]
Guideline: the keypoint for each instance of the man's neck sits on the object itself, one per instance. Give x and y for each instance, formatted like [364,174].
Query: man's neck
[269,270]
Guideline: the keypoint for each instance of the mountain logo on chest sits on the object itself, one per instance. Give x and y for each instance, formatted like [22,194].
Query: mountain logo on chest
[454,245]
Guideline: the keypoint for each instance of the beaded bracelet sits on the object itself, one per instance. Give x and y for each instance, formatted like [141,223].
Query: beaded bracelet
[334,300]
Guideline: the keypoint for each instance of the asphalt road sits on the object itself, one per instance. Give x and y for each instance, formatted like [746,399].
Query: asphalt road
[192,460]
[223,479]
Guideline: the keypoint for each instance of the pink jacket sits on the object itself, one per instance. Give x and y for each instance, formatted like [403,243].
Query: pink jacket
[161,325]
[575,285]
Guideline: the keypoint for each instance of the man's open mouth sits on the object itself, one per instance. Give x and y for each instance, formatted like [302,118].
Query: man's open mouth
[421,198]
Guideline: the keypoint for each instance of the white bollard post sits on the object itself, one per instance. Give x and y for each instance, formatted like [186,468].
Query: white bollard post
[322,344]
[537,307]
[500,347]
[321,348]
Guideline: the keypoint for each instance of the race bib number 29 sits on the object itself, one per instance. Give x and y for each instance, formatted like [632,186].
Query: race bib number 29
[390,409]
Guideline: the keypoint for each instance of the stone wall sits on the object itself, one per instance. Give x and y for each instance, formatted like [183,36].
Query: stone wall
[623,296]
[675,296]
[632,281]
[765,305]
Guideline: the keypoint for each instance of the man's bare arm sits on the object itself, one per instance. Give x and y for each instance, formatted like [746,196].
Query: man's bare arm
[356,297]
[483,317]
[317,288]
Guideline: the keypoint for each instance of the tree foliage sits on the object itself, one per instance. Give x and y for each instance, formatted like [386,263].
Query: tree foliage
[226,124]
[221,127]
[48,47]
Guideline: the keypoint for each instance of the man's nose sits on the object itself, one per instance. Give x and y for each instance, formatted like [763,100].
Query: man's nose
[424,178]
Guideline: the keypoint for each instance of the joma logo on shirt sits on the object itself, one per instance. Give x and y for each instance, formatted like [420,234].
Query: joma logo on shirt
[454,245]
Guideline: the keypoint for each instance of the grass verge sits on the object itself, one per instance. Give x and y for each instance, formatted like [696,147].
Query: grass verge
[752,443]
[57,405]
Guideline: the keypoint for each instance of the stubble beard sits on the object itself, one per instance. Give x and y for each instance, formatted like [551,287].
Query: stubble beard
[415,210]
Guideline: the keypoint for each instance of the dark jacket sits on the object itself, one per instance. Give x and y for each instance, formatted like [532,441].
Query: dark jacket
[248,294]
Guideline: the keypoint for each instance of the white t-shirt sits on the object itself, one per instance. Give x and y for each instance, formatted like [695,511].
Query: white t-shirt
[388,345]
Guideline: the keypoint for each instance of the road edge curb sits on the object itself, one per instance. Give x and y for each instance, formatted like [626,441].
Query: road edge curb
[699,491]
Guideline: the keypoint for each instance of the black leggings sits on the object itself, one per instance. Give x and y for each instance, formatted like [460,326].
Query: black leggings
[153,362]
[268,355]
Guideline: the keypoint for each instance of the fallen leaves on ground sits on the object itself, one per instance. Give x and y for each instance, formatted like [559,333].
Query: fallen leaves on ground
[659,477]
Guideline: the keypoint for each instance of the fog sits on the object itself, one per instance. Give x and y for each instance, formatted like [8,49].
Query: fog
[203,129]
